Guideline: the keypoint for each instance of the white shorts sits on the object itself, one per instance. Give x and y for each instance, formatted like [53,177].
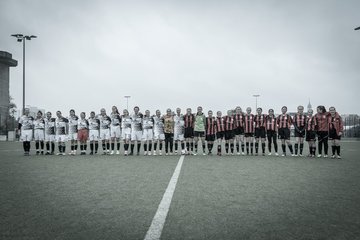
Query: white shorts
[61,138]
[115,131]
[26,135]
[159,136]
[126,133]
[136,135]
[147,135]
[178,137]
[93,135]
[105,134]
[49,137]
[72,136]
[39,134]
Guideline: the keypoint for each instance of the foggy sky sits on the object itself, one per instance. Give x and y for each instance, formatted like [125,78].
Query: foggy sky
[168,54]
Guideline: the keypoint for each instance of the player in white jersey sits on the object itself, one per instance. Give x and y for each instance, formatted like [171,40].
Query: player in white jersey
[126,130]
[136,130]
[94,126]
[148,135]
[26,130]
[39,132]
[115,132]
[49,133]
[83,133]
[62,129]
[73,130]
[179,130]
[159,135]
[105,122]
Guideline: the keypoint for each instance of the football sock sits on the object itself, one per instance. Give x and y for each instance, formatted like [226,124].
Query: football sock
[283,146]
[237,147]
[333,147]
[338,150]
[256,147]
[301,148]
[247,147]
[232,147]
[291,148]
[112,146]
[96,146]
[118,146]
[227,147]
[296,148]
[145,147]
[150,145]
[242,147]
[251,147]
[263,147]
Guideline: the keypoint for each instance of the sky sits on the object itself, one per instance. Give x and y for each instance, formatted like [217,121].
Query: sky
[168,54]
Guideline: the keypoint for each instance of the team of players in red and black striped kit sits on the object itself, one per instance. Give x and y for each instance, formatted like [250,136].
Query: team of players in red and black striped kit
[242,133]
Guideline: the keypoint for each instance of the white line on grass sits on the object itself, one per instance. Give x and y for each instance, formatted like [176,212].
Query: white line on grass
[158,221]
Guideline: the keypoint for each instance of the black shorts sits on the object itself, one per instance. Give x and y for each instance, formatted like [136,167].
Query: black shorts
[271,134]
[333,135]
[284,133]
[323,136]
[220,135]
[249,135]
[310,136]
[239,131]
[199,134]
[260,132]
[189,132]
[229,134]
[300,132]
[210,137]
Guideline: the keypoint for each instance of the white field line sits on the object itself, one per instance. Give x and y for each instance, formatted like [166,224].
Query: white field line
[158,221]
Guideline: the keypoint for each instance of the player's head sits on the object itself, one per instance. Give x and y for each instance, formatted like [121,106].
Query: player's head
[114,109]
[238,110]
[321,109]
[58,114]
[39,114]
[310,112]
[126,112]
[218,113]
[158,113]
[178,111]
[248,110]
[26,111]
[188,110]
[210,113]
[199,109]
[284,109]
[300,109]
[332,111]
[168,112]
[229,113]
[92,114]
[136,109]
[48,115]
[103,111]
[82,115]
[147,113]
[259,110]
[271,112]
[72,112]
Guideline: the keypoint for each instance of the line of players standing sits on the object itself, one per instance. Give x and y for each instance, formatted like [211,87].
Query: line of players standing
[238,129]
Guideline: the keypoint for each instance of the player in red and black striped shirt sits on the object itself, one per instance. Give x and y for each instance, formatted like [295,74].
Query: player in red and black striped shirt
[210,123]
[229,132]
[311,133]
[239,130]
[284,122]
[271,131]
[189,120]
[299,125]
[260,122]
[249,130]
[220,131]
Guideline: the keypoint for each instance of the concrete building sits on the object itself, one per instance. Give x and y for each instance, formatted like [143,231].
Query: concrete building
[6,62]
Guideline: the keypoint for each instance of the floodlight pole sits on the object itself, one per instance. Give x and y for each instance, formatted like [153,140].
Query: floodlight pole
[23,38]
[256,97]
[127,102]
